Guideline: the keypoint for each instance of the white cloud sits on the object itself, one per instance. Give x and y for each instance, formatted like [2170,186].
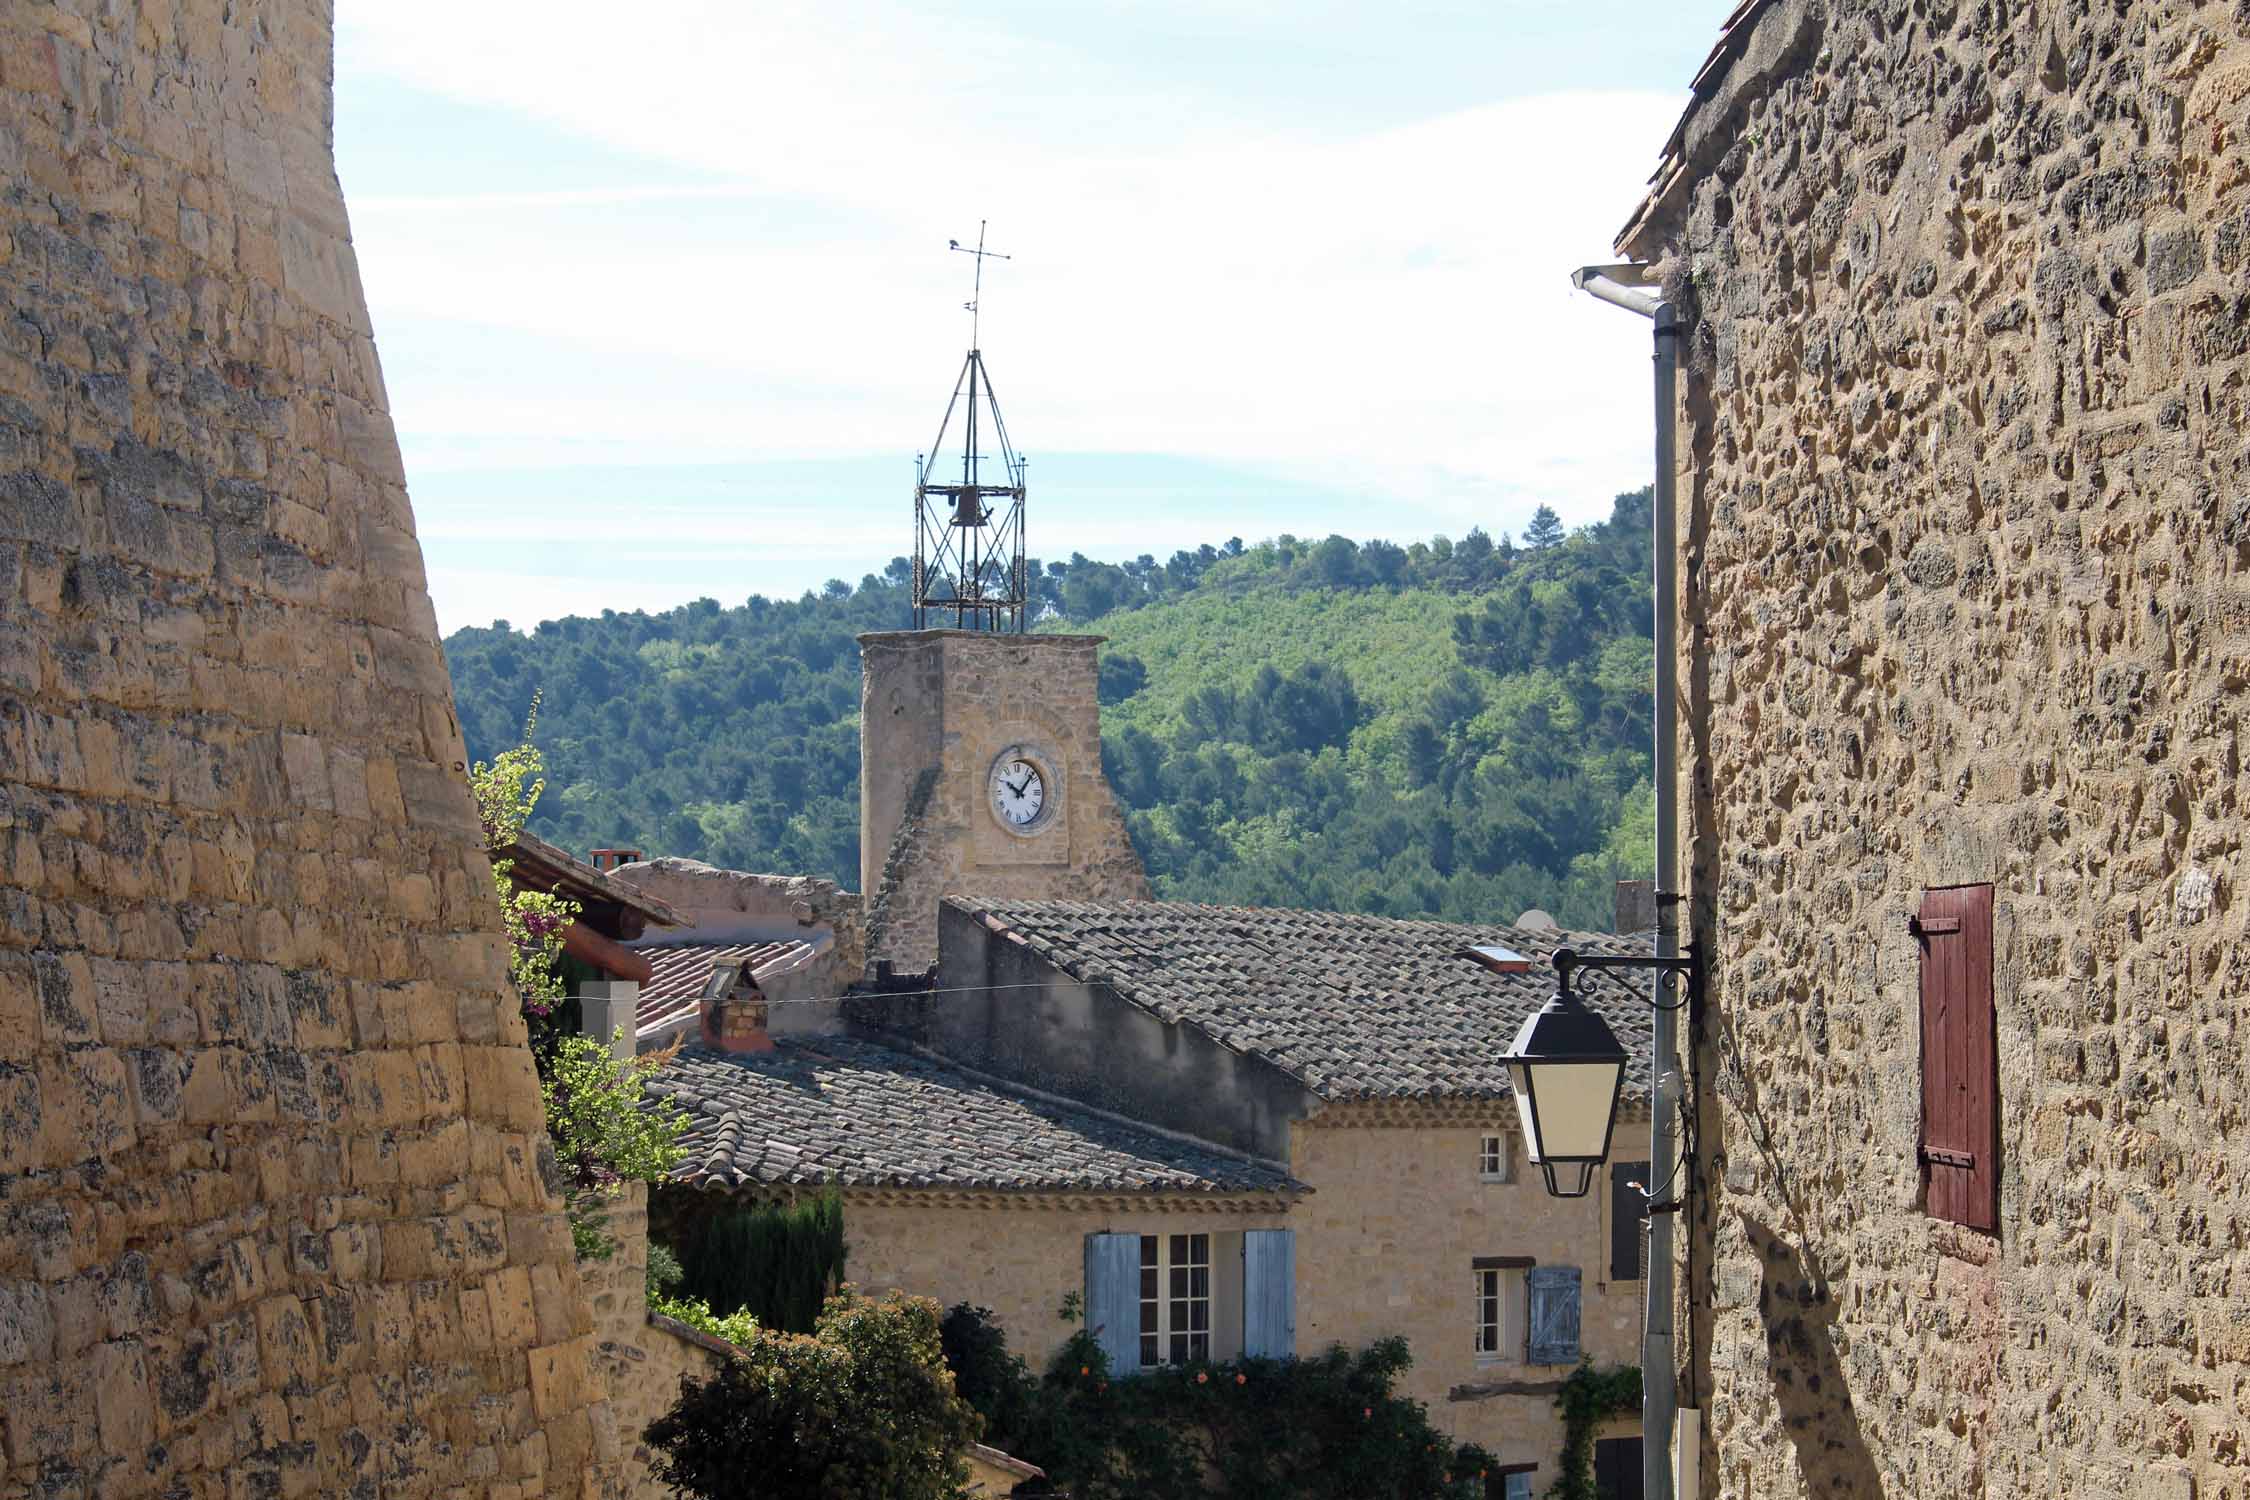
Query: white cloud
[1388,308]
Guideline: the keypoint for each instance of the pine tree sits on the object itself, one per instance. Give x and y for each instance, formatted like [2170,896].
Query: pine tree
[1545,530]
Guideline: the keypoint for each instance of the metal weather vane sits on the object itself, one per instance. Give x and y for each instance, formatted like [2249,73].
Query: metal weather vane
[968,536]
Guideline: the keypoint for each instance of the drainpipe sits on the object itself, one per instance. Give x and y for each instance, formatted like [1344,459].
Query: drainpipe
[1629,287]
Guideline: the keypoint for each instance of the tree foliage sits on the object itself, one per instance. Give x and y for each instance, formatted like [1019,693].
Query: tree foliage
[1328,1427]
[607,1133]
[1456,729]
[863,1406]
[1588,1398]
[603,1134]
[778,1262]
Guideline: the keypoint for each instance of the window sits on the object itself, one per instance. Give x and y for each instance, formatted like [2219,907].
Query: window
[1159,1298]
[1175,1298]
[1498,1308]
[1628,1212]
[1491,1320]
[1960,1148]
[1511,1483]
[1492,1159]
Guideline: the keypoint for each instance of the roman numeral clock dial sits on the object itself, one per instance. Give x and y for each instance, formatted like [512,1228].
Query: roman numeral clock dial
[1019,792]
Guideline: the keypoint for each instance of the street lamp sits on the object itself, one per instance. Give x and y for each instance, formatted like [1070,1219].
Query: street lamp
[1568,1070]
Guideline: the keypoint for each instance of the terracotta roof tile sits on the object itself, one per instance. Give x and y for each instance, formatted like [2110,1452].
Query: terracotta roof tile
[1734,34]
[1354,1006]
[681,971]
[840,1111]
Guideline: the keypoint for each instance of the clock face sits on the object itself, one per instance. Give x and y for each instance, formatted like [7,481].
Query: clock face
[1019,792]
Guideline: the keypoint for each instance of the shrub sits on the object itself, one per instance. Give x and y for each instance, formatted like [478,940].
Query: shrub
[736,1328]
[605,1133]
[863,1406]
[779,1262]
[664,1273]
[1328,1427]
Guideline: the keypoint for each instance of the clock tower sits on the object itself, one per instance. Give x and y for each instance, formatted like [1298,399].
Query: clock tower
[980,772]
[980,747]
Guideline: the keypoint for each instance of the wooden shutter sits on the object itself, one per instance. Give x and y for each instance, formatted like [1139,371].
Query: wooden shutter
[1113,1298]
[1960,1147]
[1628,1211]
[1269,1293]
[1554,1315]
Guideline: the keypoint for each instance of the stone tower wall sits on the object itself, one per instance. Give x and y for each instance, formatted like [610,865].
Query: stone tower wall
[937,707]
[274,1218]
[1966,542]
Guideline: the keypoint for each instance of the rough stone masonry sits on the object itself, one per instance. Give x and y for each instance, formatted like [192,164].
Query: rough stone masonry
[1966,536]
[274,1218]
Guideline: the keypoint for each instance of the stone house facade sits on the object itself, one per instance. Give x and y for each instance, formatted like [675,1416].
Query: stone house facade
[1302,1106]
[278,1218]
[1964,536]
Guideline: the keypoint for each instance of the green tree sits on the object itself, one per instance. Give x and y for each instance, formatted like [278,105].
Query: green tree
[1545,530]
[604,1137]
[864,1406]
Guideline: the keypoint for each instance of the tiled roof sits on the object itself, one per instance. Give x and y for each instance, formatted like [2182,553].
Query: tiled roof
[835,1110]
[539,865]
[680,972]
[1734,37]
[1355,1007]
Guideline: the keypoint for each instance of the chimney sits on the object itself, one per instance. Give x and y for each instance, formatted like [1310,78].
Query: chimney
[1636,906]
[734,1010]
[606,860]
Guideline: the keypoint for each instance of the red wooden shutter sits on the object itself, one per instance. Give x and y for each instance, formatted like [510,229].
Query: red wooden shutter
[1960,1063]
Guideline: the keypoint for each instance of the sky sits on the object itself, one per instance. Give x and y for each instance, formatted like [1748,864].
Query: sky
[666,310]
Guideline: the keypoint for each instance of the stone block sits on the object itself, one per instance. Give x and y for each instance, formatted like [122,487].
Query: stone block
[508,1293]
[124,1398]
[562,1381]
[502,1087]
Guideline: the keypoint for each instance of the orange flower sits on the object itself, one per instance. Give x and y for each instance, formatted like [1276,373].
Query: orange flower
[1085,1370]
[1241,1380]
[1200,1377]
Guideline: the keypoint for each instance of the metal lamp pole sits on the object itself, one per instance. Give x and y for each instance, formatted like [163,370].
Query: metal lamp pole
[1628,286]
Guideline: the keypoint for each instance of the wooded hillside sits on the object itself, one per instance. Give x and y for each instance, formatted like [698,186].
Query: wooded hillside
[1456,729]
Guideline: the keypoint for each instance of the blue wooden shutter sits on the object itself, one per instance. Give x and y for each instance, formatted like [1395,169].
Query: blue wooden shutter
[1554,1314]
[1269,1293]
[1113,1298]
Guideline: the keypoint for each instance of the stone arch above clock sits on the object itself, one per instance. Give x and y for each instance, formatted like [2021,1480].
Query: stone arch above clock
[940,711]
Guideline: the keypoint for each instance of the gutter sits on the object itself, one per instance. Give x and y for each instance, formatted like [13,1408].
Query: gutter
[1632,288]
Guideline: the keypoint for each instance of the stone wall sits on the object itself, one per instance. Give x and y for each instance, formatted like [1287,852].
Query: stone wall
[640,1360]
[1386,1244]
[938,707]
[1965,533]
[732,906]
[277,1218]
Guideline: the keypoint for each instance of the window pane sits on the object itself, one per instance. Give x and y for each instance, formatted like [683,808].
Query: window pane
[1179,1348]
[1179,1248]
[1148,1250]
[1148,1348]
